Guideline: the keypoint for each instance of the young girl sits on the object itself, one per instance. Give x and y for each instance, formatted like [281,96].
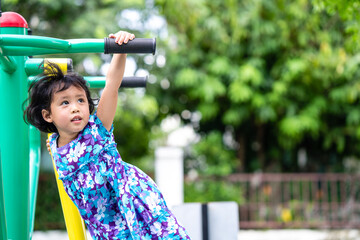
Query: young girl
[115,199]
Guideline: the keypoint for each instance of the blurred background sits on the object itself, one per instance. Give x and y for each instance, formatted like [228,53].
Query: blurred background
[261,95]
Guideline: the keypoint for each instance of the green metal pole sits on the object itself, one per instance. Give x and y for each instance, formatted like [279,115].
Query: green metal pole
[3,233]
[37,45]
[14,138]
[34,41]
[7,63]
[35,154]
[33,66]
[34,47]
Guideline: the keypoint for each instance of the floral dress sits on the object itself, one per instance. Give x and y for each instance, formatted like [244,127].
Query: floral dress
[115,199]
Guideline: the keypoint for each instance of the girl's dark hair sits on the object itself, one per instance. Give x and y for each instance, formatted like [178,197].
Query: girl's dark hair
[41,94]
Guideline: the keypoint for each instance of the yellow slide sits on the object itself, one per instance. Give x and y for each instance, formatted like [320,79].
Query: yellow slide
[74,224]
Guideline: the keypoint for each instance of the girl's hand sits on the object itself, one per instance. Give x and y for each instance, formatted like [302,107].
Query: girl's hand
[48,146]
[122,37]
[109,97]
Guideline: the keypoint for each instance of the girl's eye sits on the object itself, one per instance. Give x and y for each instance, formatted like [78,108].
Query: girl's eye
[65,103]
[81,100]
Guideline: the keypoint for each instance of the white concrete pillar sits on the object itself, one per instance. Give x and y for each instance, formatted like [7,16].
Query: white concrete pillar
[209,221]
[169,174]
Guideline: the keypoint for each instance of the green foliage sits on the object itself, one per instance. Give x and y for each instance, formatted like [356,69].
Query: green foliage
[132,125]
[211,191]
[214,158]
[48,213]
[348,10]
[281,74]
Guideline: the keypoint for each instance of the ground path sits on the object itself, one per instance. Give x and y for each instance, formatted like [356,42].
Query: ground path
[301,234]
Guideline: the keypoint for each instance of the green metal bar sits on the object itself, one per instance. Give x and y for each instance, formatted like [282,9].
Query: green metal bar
[86,45]
[127,82]
[28,51]
[3,229]
[96,81]
[99,81]
[107,46]
[33,41]
[77,46]
[33,66]
[7,63]
[15,157]
[35,154]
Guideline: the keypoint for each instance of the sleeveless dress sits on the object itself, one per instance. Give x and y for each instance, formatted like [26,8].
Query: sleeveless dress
[115,199]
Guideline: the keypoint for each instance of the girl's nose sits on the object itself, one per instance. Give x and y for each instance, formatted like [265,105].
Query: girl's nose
[74,108]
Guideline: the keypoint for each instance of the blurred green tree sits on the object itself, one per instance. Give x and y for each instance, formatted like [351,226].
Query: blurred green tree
[280,77]
[348,10]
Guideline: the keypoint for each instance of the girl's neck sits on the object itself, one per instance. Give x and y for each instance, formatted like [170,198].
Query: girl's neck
[64,140]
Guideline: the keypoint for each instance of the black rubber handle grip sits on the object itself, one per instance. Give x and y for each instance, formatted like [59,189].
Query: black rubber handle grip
[134,82]
[137,45]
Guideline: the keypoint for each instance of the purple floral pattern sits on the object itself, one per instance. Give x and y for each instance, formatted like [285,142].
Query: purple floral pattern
[115,199]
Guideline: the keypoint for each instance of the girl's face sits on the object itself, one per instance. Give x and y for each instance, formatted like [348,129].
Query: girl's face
[69,112]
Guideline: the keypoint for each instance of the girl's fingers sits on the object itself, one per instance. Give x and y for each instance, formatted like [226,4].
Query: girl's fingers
[48,145]
[117,37]
[122,37]
[126,38]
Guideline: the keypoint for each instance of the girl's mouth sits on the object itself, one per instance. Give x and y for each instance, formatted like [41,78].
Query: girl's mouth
[76,119]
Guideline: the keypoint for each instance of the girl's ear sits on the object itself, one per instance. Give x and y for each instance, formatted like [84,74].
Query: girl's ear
[46,116]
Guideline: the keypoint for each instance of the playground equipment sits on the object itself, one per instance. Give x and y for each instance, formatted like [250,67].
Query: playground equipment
[20,143]
[74,224]
[3,233]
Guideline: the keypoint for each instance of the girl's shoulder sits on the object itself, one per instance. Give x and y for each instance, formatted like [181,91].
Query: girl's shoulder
[97,126]
[52,140]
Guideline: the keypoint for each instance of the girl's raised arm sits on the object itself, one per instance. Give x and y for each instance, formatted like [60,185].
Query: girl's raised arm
[108,100]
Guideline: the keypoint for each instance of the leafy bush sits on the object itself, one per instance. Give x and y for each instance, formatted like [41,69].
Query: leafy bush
[207,190]
[48,213]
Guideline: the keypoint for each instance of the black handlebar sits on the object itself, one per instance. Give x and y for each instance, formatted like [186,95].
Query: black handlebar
[137,45]
[134,82]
